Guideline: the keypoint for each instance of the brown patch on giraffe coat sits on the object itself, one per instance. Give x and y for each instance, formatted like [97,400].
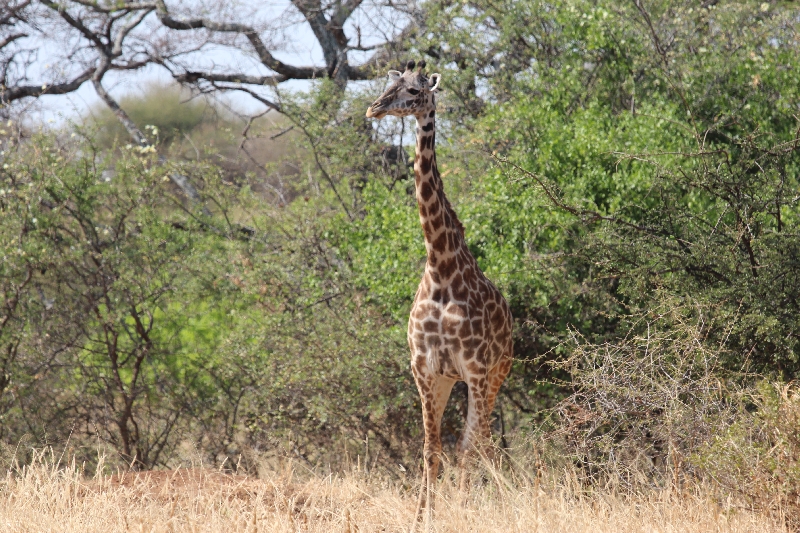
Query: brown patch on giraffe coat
[458,289]
[479,382]
[498,318]
[496,348]
[477,327]
[450,325]
[474,368]
[425,165]
[429,326]
[454,343]
[480,353]
[469,275]
[440,244]
[425,189]
[447,267]
[435,222]
[445,359]
[453,237]
[456,309]
[433,341]
[465,332]
[427,230]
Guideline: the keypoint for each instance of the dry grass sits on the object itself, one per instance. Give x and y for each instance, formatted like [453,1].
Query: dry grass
[45,498]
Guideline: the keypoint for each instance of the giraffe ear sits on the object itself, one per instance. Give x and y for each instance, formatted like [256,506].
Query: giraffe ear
[394,75]
[436,82]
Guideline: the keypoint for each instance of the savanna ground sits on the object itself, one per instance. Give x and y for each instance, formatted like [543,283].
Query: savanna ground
[46,496]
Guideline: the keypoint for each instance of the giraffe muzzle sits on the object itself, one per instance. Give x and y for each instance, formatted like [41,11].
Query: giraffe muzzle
[378,113]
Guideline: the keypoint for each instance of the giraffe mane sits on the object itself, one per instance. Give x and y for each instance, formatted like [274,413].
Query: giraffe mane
[456,223]
[453,217]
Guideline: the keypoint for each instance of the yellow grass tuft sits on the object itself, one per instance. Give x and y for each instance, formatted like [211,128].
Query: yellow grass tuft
[46,497]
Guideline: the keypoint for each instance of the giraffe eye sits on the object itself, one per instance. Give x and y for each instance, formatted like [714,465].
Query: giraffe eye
[413,91]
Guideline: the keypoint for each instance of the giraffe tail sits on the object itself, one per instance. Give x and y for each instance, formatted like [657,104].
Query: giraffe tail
[432,360]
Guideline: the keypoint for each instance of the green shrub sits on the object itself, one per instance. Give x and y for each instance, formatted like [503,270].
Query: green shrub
[167,107]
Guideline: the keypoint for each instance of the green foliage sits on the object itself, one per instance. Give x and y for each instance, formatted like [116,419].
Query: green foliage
[140,323]
[388,253]
[662,159]
[109,314]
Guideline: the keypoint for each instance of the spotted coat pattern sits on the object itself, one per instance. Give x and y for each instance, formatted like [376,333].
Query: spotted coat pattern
[460,324]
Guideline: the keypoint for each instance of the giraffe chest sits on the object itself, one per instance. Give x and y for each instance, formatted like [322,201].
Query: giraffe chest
[456,332]
[436,333]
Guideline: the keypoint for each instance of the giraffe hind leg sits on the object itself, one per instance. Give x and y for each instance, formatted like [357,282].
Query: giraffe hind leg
[477,433]
[497,376]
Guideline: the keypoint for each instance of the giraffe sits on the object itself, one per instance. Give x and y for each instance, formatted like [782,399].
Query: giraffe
[460,324]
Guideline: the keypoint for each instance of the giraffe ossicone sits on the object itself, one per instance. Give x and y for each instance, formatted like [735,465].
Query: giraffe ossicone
[460,325]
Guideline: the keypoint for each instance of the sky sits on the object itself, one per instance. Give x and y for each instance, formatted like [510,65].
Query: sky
[299,47]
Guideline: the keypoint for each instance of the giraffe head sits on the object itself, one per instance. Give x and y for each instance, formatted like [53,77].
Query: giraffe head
[410,93]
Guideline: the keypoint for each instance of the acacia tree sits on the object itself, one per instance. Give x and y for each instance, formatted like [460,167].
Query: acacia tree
[86,39]
[53,48]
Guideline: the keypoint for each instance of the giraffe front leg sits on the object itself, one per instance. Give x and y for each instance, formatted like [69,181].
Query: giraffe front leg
[433,391]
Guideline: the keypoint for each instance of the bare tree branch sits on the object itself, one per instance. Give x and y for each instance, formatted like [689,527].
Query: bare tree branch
[287,71]
[118,6]
[135,133]
[194,77]
[332,47]
[15,93]
[112,34]
[11,38]
[10,11]
[268,103]
[125,30]
[78,25]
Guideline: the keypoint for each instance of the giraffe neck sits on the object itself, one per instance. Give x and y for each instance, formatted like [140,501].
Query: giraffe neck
[444,234]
